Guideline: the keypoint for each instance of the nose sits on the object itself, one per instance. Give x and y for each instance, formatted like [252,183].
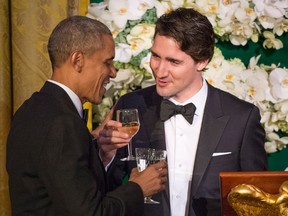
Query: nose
[113,72]
[159,68]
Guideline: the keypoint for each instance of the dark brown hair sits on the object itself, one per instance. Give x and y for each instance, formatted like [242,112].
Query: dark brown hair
[191,30]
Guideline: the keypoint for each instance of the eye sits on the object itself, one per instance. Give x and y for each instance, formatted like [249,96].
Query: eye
[154,55]
[109,63]
[174,61]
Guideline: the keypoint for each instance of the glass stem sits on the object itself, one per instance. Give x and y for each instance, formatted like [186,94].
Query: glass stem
[130,148]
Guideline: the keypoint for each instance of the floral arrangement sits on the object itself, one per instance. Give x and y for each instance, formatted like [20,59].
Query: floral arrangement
[132,24]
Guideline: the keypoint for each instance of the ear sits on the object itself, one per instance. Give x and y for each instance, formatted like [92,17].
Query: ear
[201,65]
[77,61]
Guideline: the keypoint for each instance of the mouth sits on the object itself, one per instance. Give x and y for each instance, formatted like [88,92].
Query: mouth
[105,84]
[161,83]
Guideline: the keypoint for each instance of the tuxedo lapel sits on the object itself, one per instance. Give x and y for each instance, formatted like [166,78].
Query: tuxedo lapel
[213,125]
[156,134]
[152,123]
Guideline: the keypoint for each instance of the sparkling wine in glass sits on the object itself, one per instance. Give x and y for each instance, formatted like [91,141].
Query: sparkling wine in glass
[130,124]
[145,157]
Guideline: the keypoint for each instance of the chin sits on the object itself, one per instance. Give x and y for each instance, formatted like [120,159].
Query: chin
[162,92]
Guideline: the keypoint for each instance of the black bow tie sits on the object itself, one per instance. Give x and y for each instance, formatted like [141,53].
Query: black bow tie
[169,109]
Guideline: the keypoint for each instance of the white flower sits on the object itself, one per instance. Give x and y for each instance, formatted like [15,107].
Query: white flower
[124,10]
[145,63]
[140,37]
[124,76]
[245,14]
[279,81]
[271,8]
[271,41]
[240,34]
[209,6]
[281,26]
[98,11]
[123,53]
[270,147]
[162,7]
[275,142]
[143,30]
[256,85]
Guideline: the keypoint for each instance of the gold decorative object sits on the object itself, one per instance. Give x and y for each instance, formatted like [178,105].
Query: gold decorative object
[248,200]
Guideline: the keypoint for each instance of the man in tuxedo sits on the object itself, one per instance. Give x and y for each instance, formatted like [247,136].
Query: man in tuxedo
[204,130]
[53,164]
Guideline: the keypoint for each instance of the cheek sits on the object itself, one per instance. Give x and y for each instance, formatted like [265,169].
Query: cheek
[153,64]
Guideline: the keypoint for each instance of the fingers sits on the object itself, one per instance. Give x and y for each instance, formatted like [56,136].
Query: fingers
[111,130]
[110,138]
[160,165]
[152,180]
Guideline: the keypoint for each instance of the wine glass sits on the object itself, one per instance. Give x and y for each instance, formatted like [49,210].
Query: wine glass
[130,124]
[145,157]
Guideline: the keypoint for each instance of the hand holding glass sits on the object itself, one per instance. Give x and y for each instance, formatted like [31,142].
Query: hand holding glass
[130,124]
[145,157]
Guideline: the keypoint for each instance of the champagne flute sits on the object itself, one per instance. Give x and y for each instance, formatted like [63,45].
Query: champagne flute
[130,124]
[145,157]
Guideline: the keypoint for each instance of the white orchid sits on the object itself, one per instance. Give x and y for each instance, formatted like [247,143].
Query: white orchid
[123,53]
[275,142]
[271,41]
[124,10]
[145,63]
[140,37]
[281,26]
[163,7]
[279,82]
[256,85]
[270,8]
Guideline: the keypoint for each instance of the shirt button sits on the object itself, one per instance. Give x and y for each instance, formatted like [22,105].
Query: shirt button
[177,197]
[180,165]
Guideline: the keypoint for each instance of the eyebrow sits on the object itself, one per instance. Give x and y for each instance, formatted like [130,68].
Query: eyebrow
[167,58]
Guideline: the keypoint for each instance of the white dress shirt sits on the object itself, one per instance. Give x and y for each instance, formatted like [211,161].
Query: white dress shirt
[75,99]
[181,143]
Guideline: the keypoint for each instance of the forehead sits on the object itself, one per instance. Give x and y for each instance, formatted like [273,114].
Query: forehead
[167,46]
[108,43]
[108,49]
[165,41]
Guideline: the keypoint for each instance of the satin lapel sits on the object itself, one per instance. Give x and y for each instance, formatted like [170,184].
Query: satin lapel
[213,125]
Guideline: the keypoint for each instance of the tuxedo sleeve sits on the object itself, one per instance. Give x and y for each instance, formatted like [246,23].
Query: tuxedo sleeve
[75,181]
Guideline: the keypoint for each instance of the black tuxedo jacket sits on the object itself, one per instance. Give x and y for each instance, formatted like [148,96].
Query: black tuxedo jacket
[229,125]
[53,165]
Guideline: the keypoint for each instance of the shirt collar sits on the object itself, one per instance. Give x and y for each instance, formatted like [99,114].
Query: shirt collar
[75,99]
